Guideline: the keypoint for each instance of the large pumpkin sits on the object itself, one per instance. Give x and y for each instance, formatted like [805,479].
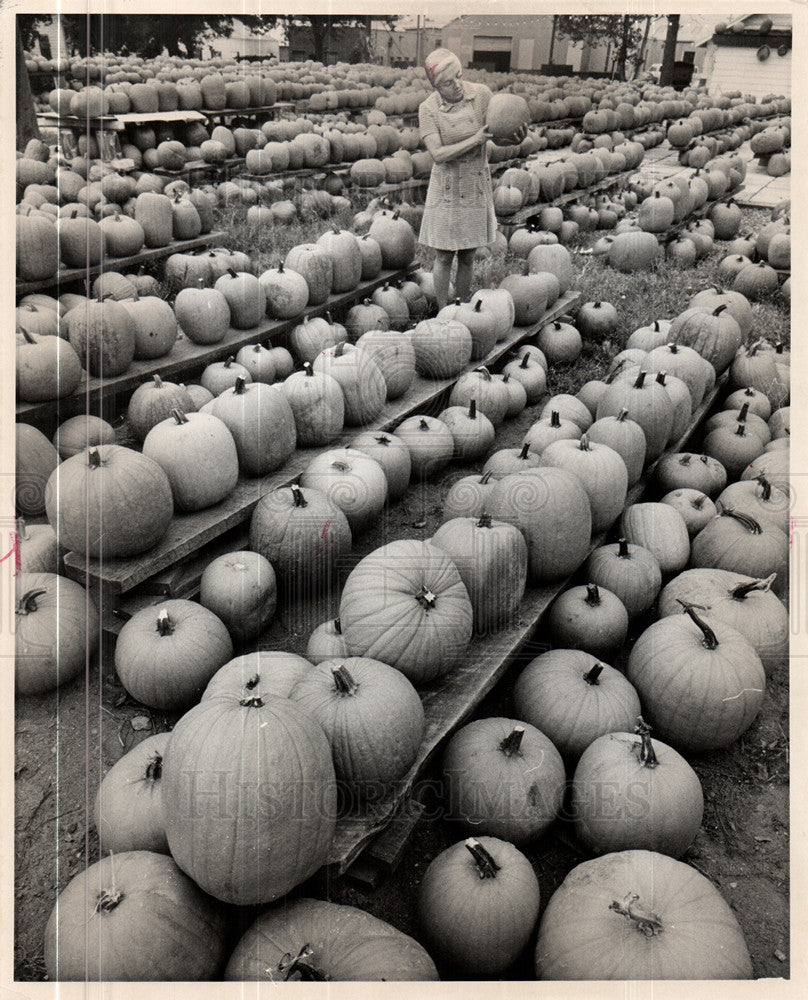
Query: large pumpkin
[360,378]
[152,402]
[104,336]
[406,605]
[262,424]
[601,471]
[313,940]
[47,368]
[241,590]
[134,917]
[270,823]
[36,461]
[661,530]
[631,572]
[316,266]
[109,502]
[442,348]
[644,916]
[56,630]
[396,239]
[350,479]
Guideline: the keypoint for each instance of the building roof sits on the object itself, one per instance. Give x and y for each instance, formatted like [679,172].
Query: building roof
[498,23]
[751,23]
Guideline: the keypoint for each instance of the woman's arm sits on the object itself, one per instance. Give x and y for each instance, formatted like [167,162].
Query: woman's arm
[442,154]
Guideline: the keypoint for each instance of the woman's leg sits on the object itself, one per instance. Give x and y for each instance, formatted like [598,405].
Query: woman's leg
[465,267]
[441,271]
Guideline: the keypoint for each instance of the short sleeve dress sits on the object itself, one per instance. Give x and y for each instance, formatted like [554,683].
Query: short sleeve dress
[459,208]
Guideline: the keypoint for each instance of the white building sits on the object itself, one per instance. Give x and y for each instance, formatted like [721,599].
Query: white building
[748,60]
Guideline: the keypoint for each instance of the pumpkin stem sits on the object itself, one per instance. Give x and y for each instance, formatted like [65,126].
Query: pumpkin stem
[344,683]
[591,676]
[485,521]
[472,409]
[485,479]
[254,701]
[297,493]
[229,361]
[648,757]
[165,626]
[622,416]
[158,382]
[179,416]
[622,549]
[240,385]
[661,377]
[486,374]
[584,443]
[383,439]
[426,598]
[341,466]
[719,309]
[28,603]
[486,866]
[94,458]
[154,769]
[743,412]
[648,923]
[748,522]
[555,419]
[107,900]
[740,592]
[640,380]
[511,744]
[765,485]
[28,336]
[308,973]
[656,326]
[592,595]
[308,370]
[525,361]
[710,640]
[338,626]
[741,429]
[253,682]
[685,459]
[423,425]
[698,503]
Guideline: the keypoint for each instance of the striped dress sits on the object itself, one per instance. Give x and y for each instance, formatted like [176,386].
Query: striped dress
[459,208]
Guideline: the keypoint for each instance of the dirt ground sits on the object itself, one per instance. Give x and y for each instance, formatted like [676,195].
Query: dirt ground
[66,741]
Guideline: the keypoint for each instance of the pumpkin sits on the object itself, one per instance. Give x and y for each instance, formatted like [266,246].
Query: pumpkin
[372,716]
[682,404]
[701,685]
[56,630]
[478,904]
[318,406]
[286,292]
[646,338]
[306,940]
[551,509]
[394,304]
[756,281]
[166,654]
[352,481]
[240,589]
[37,248]
[489,315]
[442,348]
[684,363]
[366,316]
[734,446]
[548,429]
[271,822]
[221,375]
[315,265]
[198,455]
[430,442]
[38,548]
[646,916]
[590,393]
[631,572]
[760,499]
[491,557]
[326,642]
[560,342]
[109,502]
[395,237]
[47,368]
[155,215]
[394,354]
[490,396]
[371,258]
[309,338]
[81,242]
[531,375]
[511,461]
[473,432]
[573,699]
[255,675]
[503,778]
[757,402]
[554,259]
[393,456]
[152,402]
[715,335]
[590,618]
[81,432]
[529,293]
[467,497]
[624,436]
[596,320]
[737,305]
[601,471]
[128,806]
[633,251]
[155,325]
[262,424]
[104,336]
[647,404]
[656,800]
[695,508]
[258,362]
[245,297]
[678,470]
[134,917]
[739,543]
[406,605]
[363,386]
[661,530]
[203,314]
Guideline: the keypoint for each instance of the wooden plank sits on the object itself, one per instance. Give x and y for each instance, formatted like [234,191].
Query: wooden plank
[199,167]
[184,359]
[188,533]
[450,701]
[68,275]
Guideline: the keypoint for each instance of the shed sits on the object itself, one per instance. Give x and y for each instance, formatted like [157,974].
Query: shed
[749,57]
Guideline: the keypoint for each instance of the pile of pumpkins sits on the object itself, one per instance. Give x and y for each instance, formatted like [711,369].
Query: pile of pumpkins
[754,259]
[348,715]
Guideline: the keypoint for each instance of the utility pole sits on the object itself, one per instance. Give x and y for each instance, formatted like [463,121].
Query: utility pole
[552,41]
[418,53]
[669,56]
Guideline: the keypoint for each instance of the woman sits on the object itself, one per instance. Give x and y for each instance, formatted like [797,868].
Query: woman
[459,209]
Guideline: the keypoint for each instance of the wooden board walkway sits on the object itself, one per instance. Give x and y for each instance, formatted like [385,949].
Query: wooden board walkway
[70,275]
[188,533]
[450,701]
[184,360]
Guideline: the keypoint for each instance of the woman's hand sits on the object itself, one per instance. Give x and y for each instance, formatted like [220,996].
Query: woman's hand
[512,140]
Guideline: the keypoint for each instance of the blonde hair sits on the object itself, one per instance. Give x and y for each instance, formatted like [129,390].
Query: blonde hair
[437,62]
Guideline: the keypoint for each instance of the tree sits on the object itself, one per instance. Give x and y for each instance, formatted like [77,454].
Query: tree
[326,28]
[669,53]
[27,127]
[28,27]
[623,33]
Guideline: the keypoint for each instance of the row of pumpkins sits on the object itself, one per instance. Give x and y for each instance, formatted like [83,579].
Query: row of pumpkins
[478,901]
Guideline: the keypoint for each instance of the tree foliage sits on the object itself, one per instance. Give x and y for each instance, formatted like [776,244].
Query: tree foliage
[623,32]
